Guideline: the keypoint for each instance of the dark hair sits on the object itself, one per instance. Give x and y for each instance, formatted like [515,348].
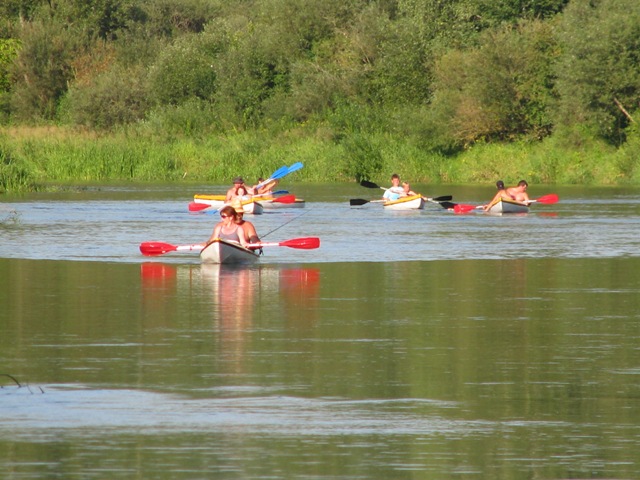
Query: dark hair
[500,185]
[395,175]
[523,183]
[230,211]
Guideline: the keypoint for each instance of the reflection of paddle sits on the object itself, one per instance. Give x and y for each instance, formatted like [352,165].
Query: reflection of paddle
[356,202]
[306,243]
[160,248]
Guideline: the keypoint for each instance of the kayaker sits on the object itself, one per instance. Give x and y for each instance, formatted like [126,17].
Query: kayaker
[500,194]
[519,192]
[406,190]
[395,191]
[228,228]
[264,190]
[237,191]
[247,227]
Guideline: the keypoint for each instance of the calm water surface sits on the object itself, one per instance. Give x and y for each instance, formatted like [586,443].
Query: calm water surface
[419,345]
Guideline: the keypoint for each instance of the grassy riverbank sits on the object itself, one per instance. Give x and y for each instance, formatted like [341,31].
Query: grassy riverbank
[31,157]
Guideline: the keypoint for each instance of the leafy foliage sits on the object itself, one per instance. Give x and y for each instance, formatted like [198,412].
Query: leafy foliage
[599,68]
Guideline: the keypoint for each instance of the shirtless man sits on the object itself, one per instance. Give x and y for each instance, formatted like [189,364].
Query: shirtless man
[249,229]
[237,191]
[500,194]
[519,192]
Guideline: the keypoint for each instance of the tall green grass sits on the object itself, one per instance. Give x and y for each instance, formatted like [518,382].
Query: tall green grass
[31,157]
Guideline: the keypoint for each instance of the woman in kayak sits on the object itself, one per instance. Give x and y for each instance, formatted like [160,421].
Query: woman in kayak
[228,229]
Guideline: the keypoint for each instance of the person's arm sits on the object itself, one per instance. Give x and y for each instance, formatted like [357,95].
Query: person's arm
[252,235]
[215,234]
[242,235]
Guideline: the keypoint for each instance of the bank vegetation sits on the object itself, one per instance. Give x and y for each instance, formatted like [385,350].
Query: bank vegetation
[457,91]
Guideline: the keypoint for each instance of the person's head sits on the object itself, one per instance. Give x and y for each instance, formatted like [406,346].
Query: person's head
[238,181]
[405,186]
[395,179]
[523,184]
[500,185]
[228,212]
[236,204]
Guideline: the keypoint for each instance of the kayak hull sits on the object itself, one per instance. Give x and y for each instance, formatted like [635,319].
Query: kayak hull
[217,202]
[413,202]
[508,206]
[228,253]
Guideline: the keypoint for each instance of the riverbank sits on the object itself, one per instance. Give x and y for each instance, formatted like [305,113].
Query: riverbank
[32,157]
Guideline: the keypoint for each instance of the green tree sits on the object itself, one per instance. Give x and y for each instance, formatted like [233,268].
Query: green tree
[500,90]
[599,70]
[42,69]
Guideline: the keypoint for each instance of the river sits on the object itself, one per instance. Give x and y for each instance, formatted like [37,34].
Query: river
[410,345]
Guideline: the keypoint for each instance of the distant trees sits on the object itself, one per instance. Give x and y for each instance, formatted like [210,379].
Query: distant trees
[453,73]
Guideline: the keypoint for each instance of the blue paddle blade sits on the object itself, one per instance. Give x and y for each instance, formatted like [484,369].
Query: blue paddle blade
[296,166]
[281,172]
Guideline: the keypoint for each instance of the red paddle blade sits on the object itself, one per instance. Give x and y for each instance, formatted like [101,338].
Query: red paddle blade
[156,248]
[551,198]
[198,207]
[285,199]
[461,208]
[307,243]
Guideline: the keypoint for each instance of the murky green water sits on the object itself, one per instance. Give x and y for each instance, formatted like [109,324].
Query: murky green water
[492,366]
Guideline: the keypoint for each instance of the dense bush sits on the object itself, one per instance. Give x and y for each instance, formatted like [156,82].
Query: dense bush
[440,76]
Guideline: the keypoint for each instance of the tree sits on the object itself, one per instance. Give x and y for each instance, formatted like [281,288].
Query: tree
[598,72]
[500,90]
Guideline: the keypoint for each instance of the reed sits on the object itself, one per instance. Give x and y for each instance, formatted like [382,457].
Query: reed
[30,158]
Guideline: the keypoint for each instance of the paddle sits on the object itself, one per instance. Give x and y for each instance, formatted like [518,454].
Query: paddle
[355,202]
[198,207]
[284,199]
[160,248]
[281,172]
[368,184]
[306,243]
[547,199]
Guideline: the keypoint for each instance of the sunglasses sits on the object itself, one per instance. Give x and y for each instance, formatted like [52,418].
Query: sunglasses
[224,216]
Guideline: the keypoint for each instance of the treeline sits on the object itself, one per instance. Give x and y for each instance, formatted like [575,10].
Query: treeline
[442,75]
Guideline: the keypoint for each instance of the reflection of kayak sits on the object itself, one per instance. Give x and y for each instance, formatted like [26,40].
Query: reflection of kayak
[414,202]
[507,206]
[222,251]
[269,203]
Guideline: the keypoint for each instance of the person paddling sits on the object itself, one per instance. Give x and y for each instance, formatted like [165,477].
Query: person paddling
[237,191]
[228,229]
[395,191]
[248,227]
[519,192]
[501,194]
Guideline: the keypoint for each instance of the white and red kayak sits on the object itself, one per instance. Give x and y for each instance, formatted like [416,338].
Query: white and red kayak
[202,203]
